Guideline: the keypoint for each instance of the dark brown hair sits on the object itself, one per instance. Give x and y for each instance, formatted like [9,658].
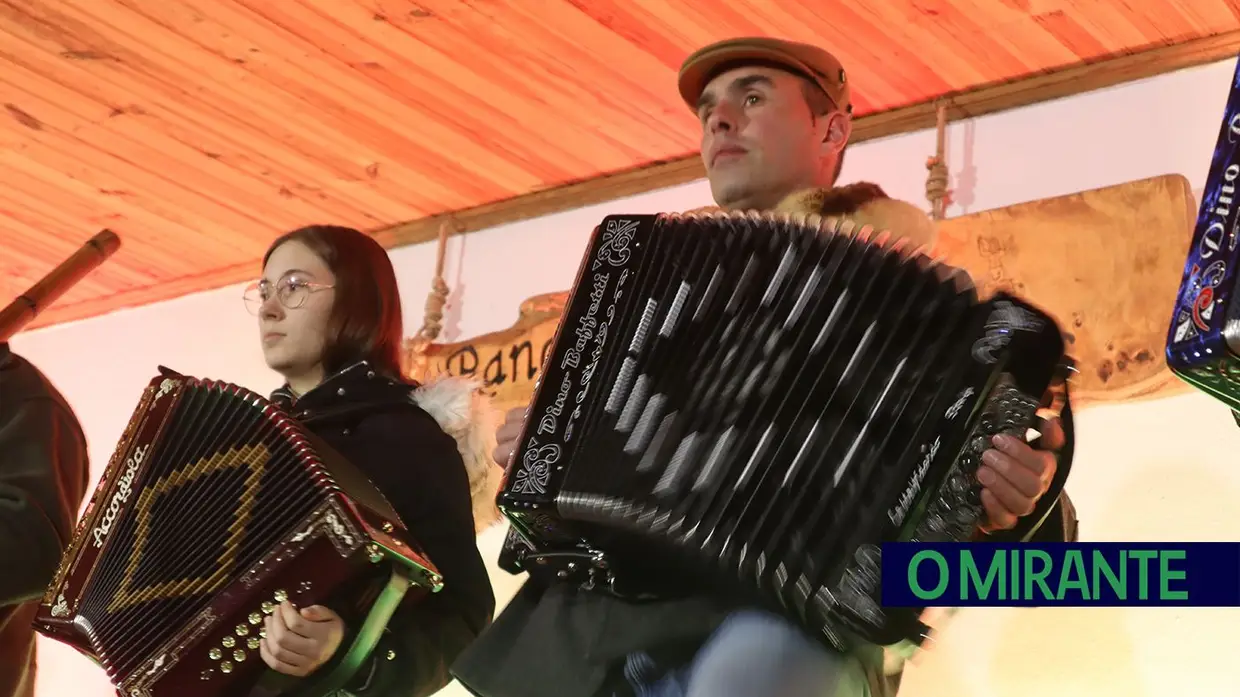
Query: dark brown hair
[365,321]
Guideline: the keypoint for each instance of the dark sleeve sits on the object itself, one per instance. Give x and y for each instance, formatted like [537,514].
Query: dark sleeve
[430,491]
[43,473]
[415,654]
[1054,518]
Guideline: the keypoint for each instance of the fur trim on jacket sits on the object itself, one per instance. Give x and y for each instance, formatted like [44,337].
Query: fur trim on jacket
[864,203]
[461,409]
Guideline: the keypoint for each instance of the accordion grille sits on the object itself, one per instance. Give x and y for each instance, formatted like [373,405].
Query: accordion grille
[773,353]
[211,481]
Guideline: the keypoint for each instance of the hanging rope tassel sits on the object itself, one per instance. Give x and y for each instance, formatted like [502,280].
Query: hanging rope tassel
[936,182]
[432,319]
[437,299]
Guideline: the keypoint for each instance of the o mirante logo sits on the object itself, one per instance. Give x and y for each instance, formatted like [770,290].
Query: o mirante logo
[1069,574]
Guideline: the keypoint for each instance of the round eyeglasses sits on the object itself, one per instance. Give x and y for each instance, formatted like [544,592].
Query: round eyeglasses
[291,291]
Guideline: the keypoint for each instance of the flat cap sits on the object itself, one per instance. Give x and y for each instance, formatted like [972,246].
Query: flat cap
[810,61]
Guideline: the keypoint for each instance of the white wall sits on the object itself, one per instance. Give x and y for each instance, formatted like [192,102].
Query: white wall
[1157,471]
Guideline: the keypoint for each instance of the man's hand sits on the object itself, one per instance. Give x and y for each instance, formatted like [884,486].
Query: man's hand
[1014,476]
[297,643]
[506,436]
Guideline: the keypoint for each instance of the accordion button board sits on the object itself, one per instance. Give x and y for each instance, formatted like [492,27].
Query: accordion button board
[215,507]
[755,403]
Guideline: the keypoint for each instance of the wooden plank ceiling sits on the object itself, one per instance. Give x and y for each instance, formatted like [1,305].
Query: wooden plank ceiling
[200,129]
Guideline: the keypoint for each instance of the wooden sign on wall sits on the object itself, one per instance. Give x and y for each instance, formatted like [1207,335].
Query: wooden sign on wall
[1106,263]
[508,361]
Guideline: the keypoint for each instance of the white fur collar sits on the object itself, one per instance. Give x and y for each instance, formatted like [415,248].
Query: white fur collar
[467,415]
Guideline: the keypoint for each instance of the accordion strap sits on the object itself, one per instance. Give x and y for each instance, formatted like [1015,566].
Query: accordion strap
[354,657]
[588,570]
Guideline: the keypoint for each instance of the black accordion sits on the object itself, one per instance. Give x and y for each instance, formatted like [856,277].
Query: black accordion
[755,403]
[216,507]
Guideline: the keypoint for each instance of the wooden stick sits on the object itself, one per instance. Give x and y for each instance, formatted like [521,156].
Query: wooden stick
[56,283]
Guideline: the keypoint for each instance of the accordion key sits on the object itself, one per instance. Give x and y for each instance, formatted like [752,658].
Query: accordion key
[1203,341]
[754,403]
[215,507]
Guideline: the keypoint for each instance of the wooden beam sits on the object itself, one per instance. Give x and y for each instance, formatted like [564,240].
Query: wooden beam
[972,103]
[979,101]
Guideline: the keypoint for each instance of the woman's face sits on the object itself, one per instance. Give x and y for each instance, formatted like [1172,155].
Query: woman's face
[296,304]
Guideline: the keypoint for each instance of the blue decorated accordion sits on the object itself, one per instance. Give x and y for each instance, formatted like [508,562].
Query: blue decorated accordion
[752,404]
[1204,337]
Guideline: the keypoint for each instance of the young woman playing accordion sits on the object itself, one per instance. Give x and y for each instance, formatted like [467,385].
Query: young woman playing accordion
[329,320]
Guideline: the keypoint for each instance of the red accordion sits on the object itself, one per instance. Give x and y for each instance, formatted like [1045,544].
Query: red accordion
[215,507]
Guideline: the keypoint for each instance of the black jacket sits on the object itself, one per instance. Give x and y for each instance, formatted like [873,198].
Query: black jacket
[44,474]
[373,422]
[554,639]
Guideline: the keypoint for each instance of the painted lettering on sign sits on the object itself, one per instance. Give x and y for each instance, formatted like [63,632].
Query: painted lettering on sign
[497,366]
[508,362]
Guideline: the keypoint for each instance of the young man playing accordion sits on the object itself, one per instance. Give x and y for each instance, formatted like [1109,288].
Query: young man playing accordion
[776,118]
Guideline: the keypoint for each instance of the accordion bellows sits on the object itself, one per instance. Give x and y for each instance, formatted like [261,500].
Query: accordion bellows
[215,507]
[755,402]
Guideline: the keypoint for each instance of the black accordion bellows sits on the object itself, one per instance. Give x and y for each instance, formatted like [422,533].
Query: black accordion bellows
[216,507]
[756,402]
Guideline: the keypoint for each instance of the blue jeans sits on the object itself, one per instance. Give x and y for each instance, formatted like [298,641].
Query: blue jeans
[753,654]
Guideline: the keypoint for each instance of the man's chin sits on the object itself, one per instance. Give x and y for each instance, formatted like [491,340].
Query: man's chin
[732,195]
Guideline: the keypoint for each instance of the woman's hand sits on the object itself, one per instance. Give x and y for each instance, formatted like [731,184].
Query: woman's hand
[298,642]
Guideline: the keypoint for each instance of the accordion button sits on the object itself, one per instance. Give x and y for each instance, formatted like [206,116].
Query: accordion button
[239,655]
[255,617]
[215,654]
[242,630]
[268,607]
[252,642]
[226,667]
[340,392]
[229,642]
[281,596]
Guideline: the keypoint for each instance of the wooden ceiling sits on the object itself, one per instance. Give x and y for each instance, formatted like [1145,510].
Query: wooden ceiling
[200,129]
